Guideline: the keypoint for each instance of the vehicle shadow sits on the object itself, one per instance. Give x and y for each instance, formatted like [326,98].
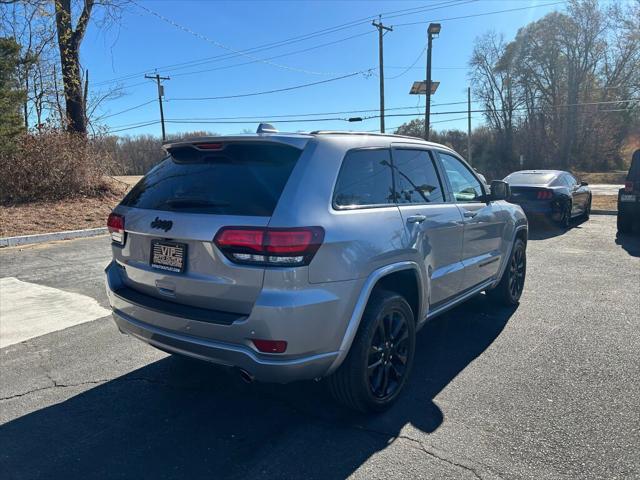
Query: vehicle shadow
[543,228]
[630,243]
[177,418]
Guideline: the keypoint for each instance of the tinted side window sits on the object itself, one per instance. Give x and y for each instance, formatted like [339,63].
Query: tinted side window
[364,179]
[571,181]
[466,188]
[416,177]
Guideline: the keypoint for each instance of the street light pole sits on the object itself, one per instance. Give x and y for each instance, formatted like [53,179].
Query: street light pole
[433,30]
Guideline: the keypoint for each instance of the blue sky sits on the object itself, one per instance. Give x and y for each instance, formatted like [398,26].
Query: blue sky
[162,34]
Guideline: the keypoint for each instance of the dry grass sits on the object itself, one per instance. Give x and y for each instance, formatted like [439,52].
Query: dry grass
[615,178]
[52,165]
[130,180]
[604,202]
[58,215]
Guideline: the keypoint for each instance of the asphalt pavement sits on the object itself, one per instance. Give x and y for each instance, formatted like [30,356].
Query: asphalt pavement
[546,390]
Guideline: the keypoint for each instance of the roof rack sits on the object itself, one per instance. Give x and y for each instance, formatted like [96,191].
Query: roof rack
[342,132]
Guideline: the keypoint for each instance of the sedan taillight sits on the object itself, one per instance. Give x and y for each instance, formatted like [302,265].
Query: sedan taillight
[544,195]
[628,186]
[115,224]
[285,247]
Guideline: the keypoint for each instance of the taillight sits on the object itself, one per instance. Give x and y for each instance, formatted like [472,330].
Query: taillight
[286,247]
[115,224]
[270,346]
[628,186]
[544,195]
[208,146]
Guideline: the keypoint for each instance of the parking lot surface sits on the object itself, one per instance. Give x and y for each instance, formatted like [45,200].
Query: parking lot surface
[546,390]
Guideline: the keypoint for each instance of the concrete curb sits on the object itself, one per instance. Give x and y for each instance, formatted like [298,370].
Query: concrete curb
[49,237]
[604,212]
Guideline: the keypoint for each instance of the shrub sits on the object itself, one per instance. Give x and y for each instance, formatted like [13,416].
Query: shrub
[52,165]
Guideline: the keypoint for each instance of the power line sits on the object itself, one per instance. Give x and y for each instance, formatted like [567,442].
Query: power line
[265,92]
[225,67]
[226,47]
[474,15]
[439,121]
[126,110]
[233,120]
[291,40]
[410,66]
[258,118]
[134,127]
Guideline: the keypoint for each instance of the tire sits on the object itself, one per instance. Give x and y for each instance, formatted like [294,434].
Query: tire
[624,222]
[587,212]
[359,383]
[509,290]
[565,220]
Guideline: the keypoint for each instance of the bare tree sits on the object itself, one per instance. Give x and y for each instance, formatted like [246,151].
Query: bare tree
[494,83]
[69,40]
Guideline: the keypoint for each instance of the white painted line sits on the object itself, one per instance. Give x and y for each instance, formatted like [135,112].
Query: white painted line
[28,310]
[49,237]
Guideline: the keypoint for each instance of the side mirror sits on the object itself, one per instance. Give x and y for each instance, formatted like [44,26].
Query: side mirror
[500,190]
[584,184]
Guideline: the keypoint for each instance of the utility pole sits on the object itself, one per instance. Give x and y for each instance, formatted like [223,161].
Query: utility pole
[157,78]
[469,124]
[434,29]
[381,28]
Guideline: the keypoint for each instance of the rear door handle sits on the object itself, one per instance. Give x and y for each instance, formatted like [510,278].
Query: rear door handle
[419,218]
[470,214]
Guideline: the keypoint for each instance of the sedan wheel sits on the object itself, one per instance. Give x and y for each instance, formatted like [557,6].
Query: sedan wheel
[565,219]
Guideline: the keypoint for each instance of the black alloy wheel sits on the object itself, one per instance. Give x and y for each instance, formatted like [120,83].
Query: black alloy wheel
[379,361]
[388,355]
[517,272]
[565,219]
[509,289]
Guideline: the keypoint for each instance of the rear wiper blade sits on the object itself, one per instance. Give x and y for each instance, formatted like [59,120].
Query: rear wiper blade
[194,203]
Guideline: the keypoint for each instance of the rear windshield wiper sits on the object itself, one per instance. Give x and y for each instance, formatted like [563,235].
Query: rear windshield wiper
[194,203]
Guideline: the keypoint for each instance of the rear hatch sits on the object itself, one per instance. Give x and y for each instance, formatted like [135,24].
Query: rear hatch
[173,214]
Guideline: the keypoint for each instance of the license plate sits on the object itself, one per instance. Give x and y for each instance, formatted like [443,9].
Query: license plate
[169,256]
[627,198]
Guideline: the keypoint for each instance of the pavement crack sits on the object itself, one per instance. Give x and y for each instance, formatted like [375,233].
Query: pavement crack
[57,384]
[54,385]
[480,472]
[441,455]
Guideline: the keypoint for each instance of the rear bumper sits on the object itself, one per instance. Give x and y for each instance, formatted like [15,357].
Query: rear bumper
[536,208]
[277,371]
[312,321]
[630,205]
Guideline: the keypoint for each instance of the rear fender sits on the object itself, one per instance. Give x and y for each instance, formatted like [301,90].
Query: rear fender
[363,299]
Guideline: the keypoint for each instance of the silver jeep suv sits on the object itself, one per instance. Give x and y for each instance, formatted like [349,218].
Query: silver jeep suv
[309,256]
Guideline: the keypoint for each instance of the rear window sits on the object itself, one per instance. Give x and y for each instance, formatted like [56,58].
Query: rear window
[240,179]
[529,178]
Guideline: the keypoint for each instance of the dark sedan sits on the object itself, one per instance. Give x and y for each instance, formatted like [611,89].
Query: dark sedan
[554,194]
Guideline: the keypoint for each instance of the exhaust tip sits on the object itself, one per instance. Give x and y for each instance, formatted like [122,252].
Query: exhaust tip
[246,376]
